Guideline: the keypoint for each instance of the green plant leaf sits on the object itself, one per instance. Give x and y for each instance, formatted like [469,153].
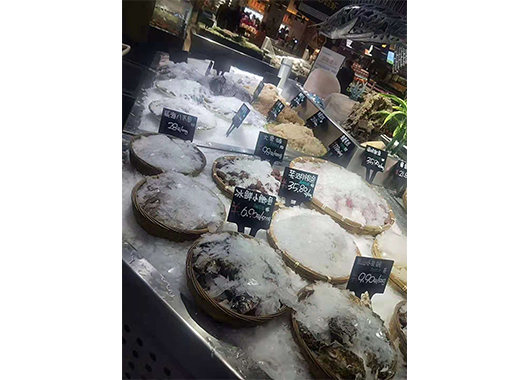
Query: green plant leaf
[401,102]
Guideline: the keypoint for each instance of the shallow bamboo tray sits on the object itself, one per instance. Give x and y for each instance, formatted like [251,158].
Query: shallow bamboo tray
[346,223]
[225,188]
[159,229]
[148,169]
[395,281]
[212,307]
[317,369]
[301,269]
[267,127]
[396,333]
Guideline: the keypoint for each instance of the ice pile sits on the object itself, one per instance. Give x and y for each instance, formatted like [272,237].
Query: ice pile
[249,173]
[244,274]
[315,240]
[227,108]
[357,327]
[180,202]
[168,154]
[394,247]
[347,194]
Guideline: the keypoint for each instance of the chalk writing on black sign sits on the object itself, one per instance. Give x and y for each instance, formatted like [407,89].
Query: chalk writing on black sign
[315,120]
[374,160]
[275,110]
[401,169]
[257,91]
[369,275]
[297,186]
[297,100]
[178,124]
[341,151]
[251,209]
[270,147]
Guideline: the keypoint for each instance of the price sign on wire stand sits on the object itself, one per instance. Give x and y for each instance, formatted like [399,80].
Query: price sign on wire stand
[298,100]
[257,91]
[275,110]
[369,275]
[374,160]
[178,124]
[238,118]
[270,147]
[341,151]
[297,186]
[209,69]
[315,120]
[251,209]
[400,172]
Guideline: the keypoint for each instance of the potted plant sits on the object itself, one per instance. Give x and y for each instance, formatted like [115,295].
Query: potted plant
[398,118]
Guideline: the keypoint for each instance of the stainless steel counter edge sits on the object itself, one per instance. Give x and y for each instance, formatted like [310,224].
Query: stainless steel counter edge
[157,283]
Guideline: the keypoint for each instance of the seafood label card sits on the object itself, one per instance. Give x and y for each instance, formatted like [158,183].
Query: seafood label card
[270,147]
[341,151]
[369,275]
[275,110]
[315,120]
[178,124]
[297,186]
[251,209]
[297,100]
[401,170]
[257,91]
[374,160]
[238,118]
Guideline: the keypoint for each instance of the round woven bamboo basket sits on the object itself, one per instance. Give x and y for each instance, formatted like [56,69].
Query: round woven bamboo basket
[346,223]
[396,332]
[405,198]
[395,281]
[317,369]
[268,128]
[159,229]
[225,188]
[301,269]
[212,307]
[148,169]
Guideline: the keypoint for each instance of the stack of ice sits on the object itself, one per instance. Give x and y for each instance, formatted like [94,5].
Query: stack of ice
[244,274]
[329,250]
[347,194]
[168,154]
[180,202]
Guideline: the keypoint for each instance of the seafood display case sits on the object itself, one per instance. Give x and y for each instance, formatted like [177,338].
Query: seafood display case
[175,290]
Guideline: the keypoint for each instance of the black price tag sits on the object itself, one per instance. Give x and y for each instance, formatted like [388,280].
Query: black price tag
[315,120]
[178,124]
[297,100]
[275,110]
[209,69]
[270,147]
[257,91]
[401,170]
[297,186]
[238,118]
[369,274]
[374,160]
[251,209]
[341,151]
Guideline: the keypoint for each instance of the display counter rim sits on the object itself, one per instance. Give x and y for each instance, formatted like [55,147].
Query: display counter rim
[394,328]
[299,268]
[159,229]
[293,149]
[147,169]
[318,369]
[212,307]
[226,189]
[395,281]
[346,223]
